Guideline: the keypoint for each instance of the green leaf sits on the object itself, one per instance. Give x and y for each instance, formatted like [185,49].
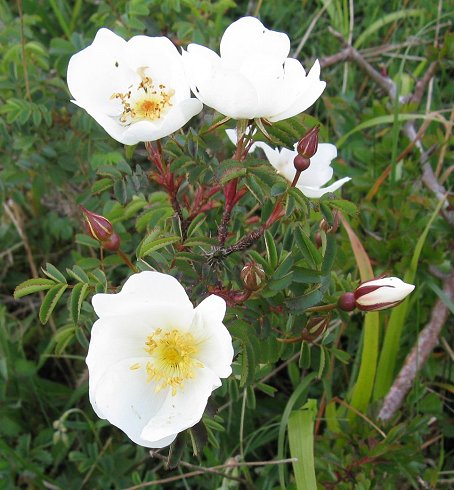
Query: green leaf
[52,272]
[101,185]
[79,293]
[330,253]
[346,207]
[149,246]
[78,273]
[271,250]
[278,189]
[308,249]
[233,173]
[50,301]
[301,442]
[32,286]
[301,303]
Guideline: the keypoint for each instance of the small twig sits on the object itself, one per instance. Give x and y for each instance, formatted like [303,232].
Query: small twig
[309,30]
[360,414]
[349,53]
[232,464]
[155,454]
[427,340]
[422,84]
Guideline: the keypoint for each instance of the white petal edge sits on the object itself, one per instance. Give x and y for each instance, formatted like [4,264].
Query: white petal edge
[125,398]
[311,89]
[184,409]
[145,288]
[315,193]
[216,350]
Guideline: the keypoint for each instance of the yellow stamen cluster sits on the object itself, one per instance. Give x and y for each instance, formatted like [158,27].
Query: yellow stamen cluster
[173,354]
[146,103]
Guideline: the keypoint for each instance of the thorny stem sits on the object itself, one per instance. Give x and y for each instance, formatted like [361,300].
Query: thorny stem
[167,180]
[230,190]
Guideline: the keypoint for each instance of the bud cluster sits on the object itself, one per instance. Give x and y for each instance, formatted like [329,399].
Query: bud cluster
[101,229]
[306,148]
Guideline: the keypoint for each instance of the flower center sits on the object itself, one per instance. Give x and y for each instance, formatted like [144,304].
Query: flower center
[174,361]
[146,102]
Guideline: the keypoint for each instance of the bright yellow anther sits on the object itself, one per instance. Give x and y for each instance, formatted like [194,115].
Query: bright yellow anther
[173,358]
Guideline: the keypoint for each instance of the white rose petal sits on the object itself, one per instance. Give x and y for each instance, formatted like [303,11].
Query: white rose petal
[313,178]
[253,77]
[378,294]
[136,90]
[153,359]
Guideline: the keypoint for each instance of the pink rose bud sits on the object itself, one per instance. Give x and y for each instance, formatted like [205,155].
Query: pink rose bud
[112,243]
[97,226]
[301,163]
[379,294]
[308,144]
[347,302]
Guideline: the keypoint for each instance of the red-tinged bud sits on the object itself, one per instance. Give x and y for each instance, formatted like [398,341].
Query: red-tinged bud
[347,302]
[318,239]
[381,293]
[315,327]
[230,192]
[252,276]
[97,226]
[112,243]
[301,163]
[277,213]
[308,144]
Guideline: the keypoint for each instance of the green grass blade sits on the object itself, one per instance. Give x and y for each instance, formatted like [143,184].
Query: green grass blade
[301,442]
[391,343]
[388,119]
[362,391]
[60,17]
[386,19]
[296,395]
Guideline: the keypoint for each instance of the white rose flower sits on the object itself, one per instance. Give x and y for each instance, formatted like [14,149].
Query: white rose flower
[153,359]
[381,293]
[253,77]
[312,179]
[136,90]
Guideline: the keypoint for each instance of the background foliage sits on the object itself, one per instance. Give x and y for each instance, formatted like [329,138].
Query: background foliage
[55,157]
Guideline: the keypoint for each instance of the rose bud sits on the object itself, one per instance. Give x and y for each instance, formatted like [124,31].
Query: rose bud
[315,327]
[301,163]
[347,302]
[379,294]
[252,276]
[112,243]
[308,144]
[97,226]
